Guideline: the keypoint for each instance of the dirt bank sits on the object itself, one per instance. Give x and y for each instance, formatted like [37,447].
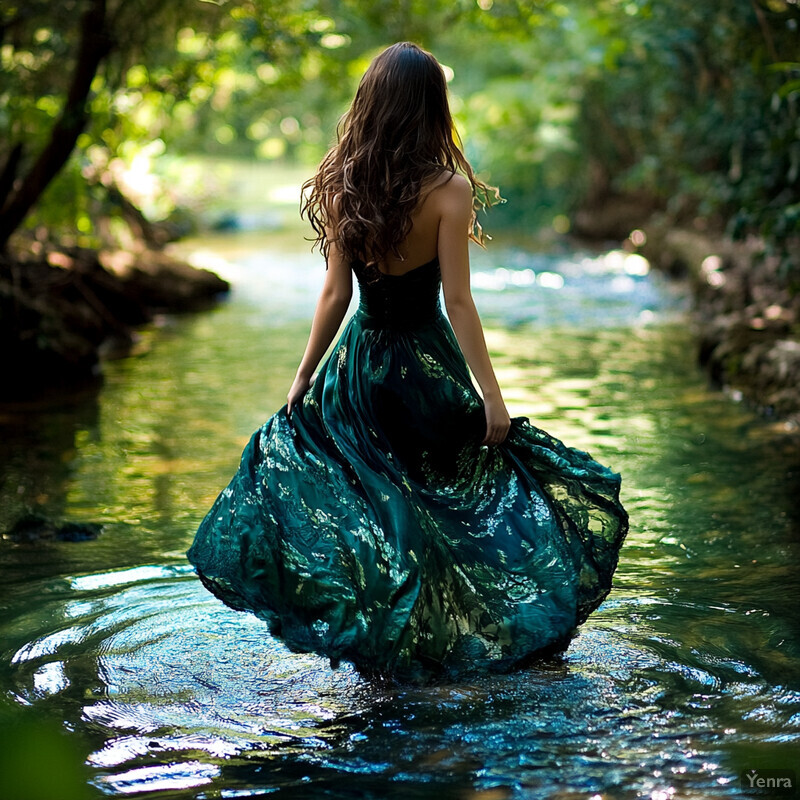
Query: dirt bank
[63,311]
[746,318]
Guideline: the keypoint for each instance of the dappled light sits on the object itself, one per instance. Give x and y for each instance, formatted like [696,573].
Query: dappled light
[640,297]
[688,658]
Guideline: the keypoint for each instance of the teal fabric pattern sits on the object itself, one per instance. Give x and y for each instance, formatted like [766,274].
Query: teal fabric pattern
[372,526]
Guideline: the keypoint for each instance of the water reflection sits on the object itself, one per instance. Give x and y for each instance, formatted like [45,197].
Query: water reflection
[189,693]
[688,674]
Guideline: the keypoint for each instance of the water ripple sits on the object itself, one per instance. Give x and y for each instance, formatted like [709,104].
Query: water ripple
[187,693]
[687,675]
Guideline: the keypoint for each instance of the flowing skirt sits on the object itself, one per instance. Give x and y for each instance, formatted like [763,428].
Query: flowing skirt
[372,526]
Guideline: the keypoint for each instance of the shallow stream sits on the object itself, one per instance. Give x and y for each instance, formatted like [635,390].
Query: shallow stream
[687,676]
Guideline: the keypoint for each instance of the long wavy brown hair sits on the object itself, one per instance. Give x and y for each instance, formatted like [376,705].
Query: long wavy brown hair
[396,137]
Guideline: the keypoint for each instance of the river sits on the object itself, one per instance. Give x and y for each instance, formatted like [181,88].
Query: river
[687,676]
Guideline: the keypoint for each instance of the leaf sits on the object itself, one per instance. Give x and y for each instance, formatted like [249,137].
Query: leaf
[780,66]
[789,88]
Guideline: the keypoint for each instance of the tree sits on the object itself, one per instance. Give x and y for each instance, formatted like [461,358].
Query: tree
[49,80]
[696,105]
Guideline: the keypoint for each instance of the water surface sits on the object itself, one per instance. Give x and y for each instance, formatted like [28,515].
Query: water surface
[686,676]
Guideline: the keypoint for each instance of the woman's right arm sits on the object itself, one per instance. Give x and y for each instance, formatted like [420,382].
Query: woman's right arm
[455,214]
[332,305]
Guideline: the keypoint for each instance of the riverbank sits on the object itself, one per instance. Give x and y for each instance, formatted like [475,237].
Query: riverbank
[64,310]
[747,321]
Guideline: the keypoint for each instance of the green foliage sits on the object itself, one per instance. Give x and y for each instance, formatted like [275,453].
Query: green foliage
[38,759]
[697,108]
[563,104]
[39,56]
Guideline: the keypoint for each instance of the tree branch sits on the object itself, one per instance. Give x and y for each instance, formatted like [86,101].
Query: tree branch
[765,31]
[9,173]
[95,45]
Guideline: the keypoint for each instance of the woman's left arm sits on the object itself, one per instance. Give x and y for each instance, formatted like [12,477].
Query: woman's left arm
[455,207]
[332,305]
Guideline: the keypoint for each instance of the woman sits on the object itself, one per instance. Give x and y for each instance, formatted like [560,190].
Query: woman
[389,514]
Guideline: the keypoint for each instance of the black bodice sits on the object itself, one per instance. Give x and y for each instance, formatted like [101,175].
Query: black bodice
[399,301]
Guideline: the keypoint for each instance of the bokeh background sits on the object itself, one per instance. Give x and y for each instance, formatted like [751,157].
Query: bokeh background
[616,109]
[650,156]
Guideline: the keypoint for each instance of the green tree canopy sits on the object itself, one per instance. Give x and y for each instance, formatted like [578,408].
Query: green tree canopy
[690,107]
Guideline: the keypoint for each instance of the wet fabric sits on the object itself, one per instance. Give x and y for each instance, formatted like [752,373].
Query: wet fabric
[372,526]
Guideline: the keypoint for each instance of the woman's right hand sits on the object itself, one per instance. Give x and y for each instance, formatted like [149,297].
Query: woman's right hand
[498,421]
[300,386]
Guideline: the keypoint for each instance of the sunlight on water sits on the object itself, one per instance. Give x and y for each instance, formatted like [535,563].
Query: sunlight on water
[686,676]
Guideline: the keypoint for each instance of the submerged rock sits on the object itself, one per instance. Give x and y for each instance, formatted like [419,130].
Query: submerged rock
[35,527]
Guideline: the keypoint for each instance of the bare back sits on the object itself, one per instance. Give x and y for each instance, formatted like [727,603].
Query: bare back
[422,243]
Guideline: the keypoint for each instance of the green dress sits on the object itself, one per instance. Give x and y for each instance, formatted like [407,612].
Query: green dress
[372,526]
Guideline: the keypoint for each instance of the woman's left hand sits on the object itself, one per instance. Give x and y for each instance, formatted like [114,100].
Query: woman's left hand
[498,422]
[300,386]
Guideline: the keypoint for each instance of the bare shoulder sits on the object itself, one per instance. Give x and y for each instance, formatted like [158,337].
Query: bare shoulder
[453,191]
